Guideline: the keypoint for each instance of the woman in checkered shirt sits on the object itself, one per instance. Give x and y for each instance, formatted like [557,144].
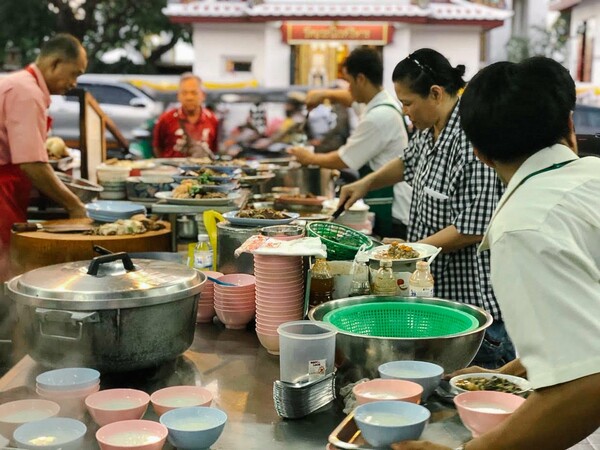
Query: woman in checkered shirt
[454,194]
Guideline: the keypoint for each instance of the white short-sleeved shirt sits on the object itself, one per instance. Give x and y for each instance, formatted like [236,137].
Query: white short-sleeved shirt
[380,137]
[545,265]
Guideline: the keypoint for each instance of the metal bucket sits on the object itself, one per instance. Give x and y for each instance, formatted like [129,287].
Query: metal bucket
[310,179]
[229,238]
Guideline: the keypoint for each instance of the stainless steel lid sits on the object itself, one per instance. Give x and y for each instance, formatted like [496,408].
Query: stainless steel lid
[108,282]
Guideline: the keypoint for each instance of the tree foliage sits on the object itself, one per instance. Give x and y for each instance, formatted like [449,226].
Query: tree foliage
[550,42]
[102,25]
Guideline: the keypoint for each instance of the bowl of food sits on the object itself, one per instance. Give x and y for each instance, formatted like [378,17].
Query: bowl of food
[131,435]
[360,353]
[194,428]
[175,397]
[146,187]
[115,405]
[480,411]
[85,190]
[486,381]
[387,389]
[14,414]
[57,433]
[385,422]
[426,374]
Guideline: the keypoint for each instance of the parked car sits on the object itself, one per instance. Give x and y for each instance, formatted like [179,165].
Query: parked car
[128,106]
[587,129]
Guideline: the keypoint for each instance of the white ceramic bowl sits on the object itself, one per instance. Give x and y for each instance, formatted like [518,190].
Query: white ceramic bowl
[522,383]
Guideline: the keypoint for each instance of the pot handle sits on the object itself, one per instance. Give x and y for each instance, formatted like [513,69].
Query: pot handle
[98,260]
[68,317]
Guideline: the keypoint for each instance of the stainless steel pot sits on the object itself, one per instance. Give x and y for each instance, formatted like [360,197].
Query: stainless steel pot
[229,238]
[359,356]
[113,313]
[310,179]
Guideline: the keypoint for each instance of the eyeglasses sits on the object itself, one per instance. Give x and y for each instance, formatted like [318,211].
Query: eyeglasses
[424,67]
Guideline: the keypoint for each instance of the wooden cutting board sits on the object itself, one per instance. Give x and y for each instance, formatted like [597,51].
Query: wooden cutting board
[35,249]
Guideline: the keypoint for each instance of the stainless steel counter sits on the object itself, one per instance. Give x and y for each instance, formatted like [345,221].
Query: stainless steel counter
[240,373]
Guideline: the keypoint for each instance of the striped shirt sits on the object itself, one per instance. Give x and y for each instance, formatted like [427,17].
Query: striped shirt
[452,187]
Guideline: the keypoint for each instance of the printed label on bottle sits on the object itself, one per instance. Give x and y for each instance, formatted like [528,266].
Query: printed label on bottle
[417,291]
[317,367]
[203,260]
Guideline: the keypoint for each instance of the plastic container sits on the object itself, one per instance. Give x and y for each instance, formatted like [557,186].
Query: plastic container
[360,275]
[420,283]
[385,281]
[306,350]
[203,253]
[321,283]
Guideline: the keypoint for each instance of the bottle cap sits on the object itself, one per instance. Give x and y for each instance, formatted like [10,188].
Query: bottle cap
[385,263]
[422,265]
[202,237]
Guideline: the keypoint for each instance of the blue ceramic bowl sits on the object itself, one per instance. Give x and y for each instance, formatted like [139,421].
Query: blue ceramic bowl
[194,428]
[69,379]
[66,434]
[386,422]
[424,373]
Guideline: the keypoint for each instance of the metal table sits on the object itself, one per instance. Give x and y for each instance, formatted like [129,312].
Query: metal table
[240,374]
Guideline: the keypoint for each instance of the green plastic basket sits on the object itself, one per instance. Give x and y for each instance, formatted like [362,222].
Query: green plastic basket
[401,320]
[342,242]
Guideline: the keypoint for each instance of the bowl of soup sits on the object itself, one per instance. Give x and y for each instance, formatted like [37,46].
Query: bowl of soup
[387,389]
[427,374]
[57,433]
[385,422]
[132,435]
[194,428]
[174,397]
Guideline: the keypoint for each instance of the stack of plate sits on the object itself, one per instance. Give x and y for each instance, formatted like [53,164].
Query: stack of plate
[110,211]
[296,400]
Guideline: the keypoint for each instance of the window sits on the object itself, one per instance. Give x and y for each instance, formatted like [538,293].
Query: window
[238,65]
[114,95]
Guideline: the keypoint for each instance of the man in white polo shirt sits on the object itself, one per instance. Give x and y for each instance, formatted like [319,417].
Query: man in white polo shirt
[544,240]
[379,137]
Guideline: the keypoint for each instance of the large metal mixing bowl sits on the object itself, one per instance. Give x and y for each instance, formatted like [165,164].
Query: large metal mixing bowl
[358,356]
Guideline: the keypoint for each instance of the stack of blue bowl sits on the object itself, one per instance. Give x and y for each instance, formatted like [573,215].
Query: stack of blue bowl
[110,210]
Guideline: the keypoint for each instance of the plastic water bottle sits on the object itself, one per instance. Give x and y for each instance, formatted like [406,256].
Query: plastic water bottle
[203,253]
[420,283]
[385,280]
[360,275]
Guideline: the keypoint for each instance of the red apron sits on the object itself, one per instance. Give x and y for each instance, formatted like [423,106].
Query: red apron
[15,188]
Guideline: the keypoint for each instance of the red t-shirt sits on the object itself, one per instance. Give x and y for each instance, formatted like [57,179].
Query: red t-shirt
[175,137]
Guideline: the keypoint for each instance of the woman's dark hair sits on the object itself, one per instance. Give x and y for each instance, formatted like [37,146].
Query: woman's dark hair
[510,111]
[367,61]
[424,68]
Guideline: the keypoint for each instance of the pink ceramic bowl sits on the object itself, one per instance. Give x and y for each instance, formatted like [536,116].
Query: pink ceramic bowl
[269,341]
[266,275]
[115,405]
[235,306]
[72,406]
[205,313]
[280,309]
[178,397]
[275,283]
[271,319]
[241,280]
[269,300]
[68,393]
[14,414]
[235,320]
[480,411]
[132,435]
[387,389]
[246,296]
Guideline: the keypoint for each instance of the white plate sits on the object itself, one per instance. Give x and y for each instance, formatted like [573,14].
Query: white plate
[168,196]
[524,384]
[249,222]
[425,251]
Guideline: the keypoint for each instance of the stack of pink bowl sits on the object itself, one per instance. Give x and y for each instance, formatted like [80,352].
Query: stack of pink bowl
[206,304]
[279,296]
[68,387]
[234,305]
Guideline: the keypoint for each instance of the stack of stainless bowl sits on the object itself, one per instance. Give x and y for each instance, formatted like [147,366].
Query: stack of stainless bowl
[296,400]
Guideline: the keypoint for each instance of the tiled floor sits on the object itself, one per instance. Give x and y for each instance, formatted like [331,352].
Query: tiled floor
[591,443]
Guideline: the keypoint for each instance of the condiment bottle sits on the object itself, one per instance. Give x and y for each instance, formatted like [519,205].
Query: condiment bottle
[321,283]
[360,275]
[203,253]
[420,283]
[385,281]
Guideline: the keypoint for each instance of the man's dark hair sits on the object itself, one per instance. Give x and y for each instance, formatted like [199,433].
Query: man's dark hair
[63,45]
[424,68]
[511,111]
[367,61]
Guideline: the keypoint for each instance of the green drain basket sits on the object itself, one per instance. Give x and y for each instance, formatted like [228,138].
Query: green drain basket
[342,242]
[401,320]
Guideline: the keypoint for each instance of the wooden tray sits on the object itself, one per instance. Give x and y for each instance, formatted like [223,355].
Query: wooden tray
[347,436]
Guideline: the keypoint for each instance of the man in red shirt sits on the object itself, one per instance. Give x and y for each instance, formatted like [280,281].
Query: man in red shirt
[189,130]
[24,123]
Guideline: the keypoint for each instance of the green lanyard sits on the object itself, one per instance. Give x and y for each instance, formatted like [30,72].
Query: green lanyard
[546,169]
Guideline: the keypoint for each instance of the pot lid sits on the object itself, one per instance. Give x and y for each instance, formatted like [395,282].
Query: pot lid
[107,282]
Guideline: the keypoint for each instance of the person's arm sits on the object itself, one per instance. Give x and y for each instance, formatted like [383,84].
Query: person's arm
[329,160]
[318,96]
[451,240]
[45,180]
[514,367]
[157,146]
[391,173]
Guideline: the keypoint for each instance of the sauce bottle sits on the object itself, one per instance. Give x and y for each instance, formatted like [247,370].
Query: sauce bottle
[321,283]
[420,283]
[385,280]
[203,253]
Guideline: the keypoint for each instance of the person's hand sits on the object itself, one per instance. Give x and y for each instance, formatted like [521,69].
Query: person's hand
[418,445]
[78,212]
[315,97]
[302,155]
[352,192]
[471,369]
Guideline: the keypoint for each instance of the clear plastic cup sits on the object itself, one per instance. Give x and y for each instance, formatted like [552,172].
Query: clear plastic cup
[306,350]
